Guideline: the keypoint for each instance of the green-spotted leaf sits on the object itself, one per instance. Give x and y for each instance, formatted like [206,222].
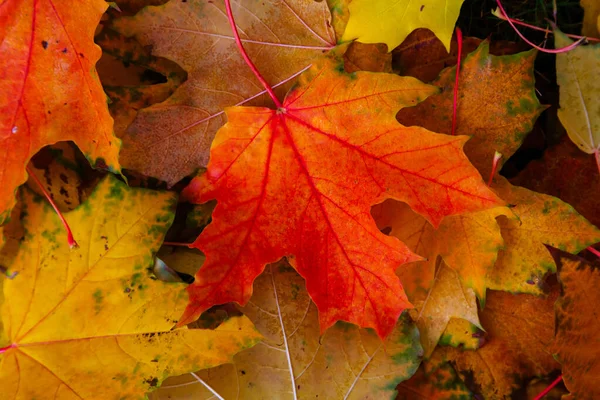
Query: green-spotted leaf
[543,219]
[497,105]
[93,322]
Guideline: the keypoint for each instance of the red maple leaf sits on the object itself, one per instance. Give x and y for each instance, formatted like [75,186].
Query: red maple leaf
[301,180]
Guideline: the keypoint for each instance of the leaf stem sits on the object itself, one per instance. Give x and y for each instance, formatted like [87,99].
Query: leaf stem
[206,385]
[594,251]
[504,17]
[177,244]
[495,162]
[240,46]
[70,239]
[549,388]
[543,50]
[6,348]
[459,40]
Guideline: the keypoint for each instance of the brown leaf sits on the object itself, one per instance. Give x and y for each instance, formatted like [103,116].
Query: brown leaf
[520,329]
[172,139]
[578,324]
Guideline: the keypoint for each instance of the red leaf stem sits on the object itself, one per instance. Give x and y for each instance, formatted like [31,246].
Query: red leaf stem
[594,251]
[240,46]
[537,28]
[455,99]
[543,50]
[549,388]
[177,244]
[72,242]
[495,162]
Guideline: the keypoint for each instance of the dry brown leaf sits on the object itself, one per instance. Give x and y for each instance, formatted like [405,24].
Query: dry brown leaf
[172,139]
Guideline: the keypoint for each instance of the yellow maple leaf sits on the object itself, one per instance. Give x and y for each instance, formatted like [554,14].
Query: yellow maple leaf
[390,22]
[93,322]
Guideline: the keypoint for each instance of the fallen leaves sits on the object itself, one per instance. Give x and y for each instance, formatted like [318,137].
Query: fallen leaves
[297,182]
[579,89]
[446,299]
[332,125]
[92,322]
[576,344]
[567,173]
[542,219]
[520,330]
[293,361]
[172,139]
[503,86]
[381,21]
[468,243]
[44,41]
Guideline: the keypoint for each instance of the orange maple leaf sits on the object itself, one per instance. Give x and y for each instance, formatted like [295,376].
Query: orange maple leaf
[301,180]
[49,89]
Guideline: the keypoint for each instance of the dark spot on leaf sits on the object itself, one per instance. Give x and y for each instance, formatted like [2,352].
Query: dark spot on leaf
[243,372]
[422,7]
[152,382]
[81,55]
[64,50]
[49,112]
[44,44]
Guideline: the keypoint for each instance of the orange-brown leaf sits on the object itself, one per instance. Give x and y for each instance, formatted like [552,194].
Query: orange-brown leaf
[497,105]
[49,90]
[576,343]
[519,330]
[301,181]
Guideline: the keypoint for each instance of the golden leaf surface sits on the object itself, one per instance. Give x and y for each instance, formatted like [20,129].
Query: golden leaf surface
[93,322]
[591,18]
[390,22]
[172,139]
[447,299]
[468,243]
[294,362]
[542,219]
